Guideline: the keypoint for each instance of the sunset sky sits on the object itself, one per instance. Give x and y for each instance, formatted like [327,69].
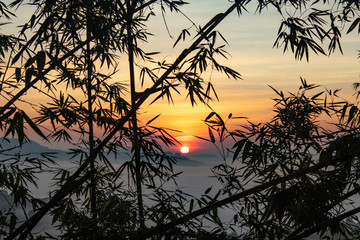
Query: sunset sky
[250,37]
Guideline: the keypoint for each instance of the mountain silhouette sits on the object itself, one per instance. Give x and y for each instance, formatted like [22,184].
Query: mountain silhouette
[10,147]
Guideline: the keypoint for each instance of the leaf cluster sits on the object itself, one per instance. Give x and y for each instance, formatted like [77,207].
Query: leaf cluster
[291,141]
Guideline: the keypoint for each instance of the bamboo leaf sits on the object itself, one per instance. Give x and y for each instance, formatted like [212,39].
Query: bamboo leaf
[212,138]
[352,112]
[40,60]
[208,190]
[151,120]
[7,114]
[33,125]
[317,95]
[28,76]
[209,116]
[30,61]
[191,205]
[18,74]
[202,138]
[239,145]
[353,25]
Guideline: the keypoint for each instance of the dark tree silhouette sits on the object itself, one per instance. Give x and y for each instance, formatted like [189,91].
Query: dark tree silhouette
[305,174]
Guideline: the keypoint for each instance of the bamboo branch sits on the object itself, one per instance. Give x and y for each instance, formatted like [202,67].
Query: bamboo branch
[32,83]
[160,229]
[324,210]
[90,113]
[72,183]
[325,224]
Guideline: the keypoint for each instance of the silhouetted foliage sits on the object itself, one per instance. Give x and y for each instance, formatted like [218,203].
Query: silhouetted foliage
[292,141]
[68,52]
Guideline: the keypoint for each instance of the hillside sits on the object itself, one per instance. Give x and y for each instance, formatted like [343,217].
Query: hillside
[10,147]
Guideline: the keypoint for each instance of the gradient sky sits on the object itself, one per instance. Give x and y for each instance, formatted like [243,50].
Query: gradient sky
[250,37]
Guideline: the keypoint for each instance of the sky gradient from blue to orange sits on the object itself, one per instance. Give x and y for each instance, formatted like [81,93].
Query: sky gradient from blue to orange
[250,37]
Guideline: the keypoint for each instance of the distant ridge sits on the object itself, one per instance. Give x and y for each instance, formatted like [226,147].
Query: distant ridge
[183,160]
[11,146]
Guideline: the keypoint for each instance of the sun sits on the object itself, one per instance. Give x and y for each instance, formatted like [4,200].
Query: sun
[184,149]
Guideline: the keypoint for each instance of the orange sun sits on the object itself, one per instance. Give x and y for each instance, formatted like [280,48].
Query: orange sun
[184,149]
